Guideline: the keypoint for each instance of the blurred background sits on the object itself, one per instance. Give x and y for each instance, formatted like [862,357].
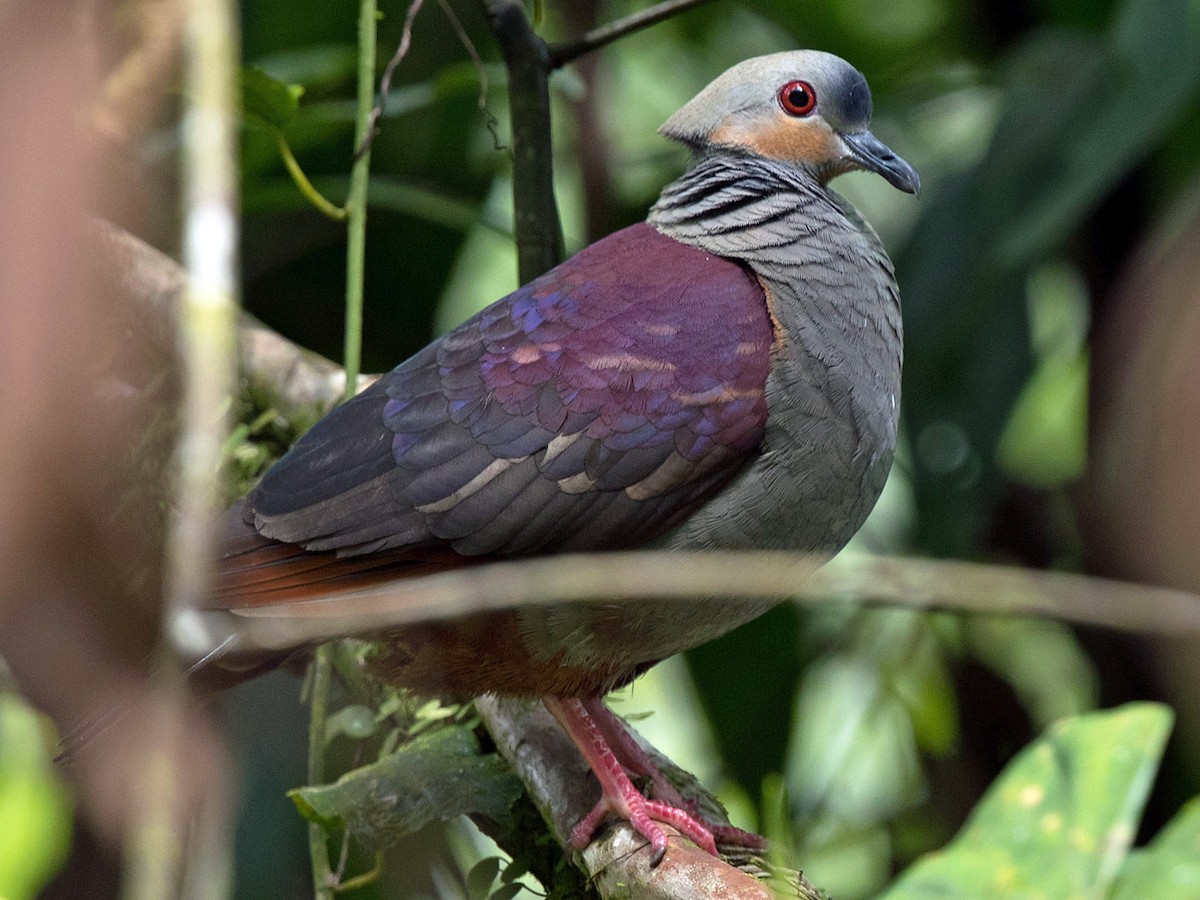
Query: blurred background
[1050,274]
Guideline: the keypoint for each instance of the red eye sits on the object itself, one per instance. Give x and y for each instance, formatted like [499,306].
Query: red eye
[797,98]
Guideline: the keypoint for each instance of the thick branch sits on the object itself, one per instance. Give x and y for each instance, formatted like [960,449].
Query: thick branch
[301,386]
[538,231]
[565,52]
[618,861]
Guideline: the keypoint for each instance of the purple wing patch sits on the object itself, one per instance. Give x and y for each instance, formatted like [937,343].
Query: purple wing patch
[641,337]
[592,409]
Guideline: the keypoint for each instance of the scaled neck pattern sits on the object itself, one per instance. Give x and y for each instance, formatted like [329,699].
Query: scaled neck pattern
[834,386]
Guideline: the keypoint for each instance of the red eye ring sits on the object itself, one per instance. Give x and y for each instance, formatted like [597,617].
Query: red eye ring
[797,98]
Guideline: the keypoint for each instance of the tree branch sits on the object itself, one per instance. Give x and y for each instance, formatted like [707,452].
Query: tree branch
[301,386]
[536,220]
[618,862]
[565,52]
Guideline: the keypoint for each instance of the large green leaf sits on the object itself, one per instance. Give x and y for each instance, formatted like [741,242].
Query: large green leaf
[1059,820]
[1169,869]
[435,777]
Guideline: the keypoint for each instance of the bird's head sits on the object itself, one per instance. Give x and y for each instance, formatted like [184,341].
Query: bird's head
[804,107]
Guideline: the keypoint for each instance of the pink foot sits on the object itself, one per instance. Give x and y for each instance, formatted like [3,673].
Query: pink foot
[618,796]
[631,755]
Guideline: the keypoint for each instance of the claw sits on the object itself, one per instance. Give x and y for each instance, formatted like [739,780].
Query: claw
[601,739]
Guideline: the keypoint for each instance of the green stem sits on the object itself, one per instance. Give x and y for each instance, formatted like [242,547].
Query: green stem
[356,203]
[323,880]
[315,197]
[356,242]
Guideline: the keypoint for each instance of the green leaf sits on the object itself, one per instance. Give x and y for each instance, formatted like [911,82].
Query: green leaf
[482,876]
[435,777]
[1041,659]
[35,811]
[1059,820]
[852,755]
[267,102]
[507,892]
[356,722]
[1169,869]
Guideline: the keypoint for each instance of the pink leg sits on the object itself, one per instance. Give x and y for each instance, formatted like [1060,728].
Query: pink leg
[617,793]
[631,755]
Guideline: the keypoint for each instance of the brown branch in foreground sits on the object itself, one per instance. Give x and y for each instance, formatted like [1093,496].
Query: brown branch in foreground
[565,52]
[301,386]
[727,576]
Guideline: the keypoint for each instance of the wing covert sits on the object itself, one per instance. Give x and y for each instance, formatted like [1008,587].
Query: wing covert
[592,409]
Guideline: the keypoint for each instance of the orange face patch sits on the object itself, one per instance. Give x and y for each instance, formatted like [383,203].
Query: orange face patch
[808,141]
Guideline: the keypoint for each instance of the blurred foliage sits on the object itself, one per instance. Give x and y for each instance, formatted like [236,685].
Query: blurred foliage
[35,811]
[1050,135]
[1060,819]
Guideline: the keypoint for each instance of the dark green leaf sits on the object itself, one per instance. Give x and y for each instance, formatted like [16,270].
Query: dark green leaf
[1059,820]
[267,102]
[507,892]
[482,876]
[433,778]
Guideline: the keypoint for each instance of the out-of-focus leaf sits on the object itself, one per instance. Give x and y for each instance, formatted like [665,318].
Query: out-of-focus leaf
[433,778]
[506,892]
[266,101]
[1081,112]
[1044,443]
[482,876]
[35,814]
[316,65]
[846,861]
[355,722]
[924,685]
[852,756]
[1168,869]
[751,698]
[1042,660]
[863,712]
[1059,820]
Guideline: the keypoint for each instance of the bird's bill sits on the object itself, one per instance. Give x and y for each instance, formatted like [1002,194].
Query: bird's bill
[875,156]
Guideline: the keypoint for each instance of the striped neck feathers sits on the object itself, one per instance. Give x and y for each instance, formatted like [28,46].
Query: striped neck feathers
[755,210]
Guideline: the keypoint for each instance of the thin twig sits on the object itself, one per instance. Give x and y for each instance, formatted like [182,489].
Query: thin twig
[493,125]
[315,197]
[563,53]
[356,237]
[320,673]
[385,83]
[727,577]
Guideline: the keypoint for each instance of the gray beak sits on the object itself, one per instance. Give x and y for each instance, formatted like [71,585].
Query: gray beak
[874,155]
